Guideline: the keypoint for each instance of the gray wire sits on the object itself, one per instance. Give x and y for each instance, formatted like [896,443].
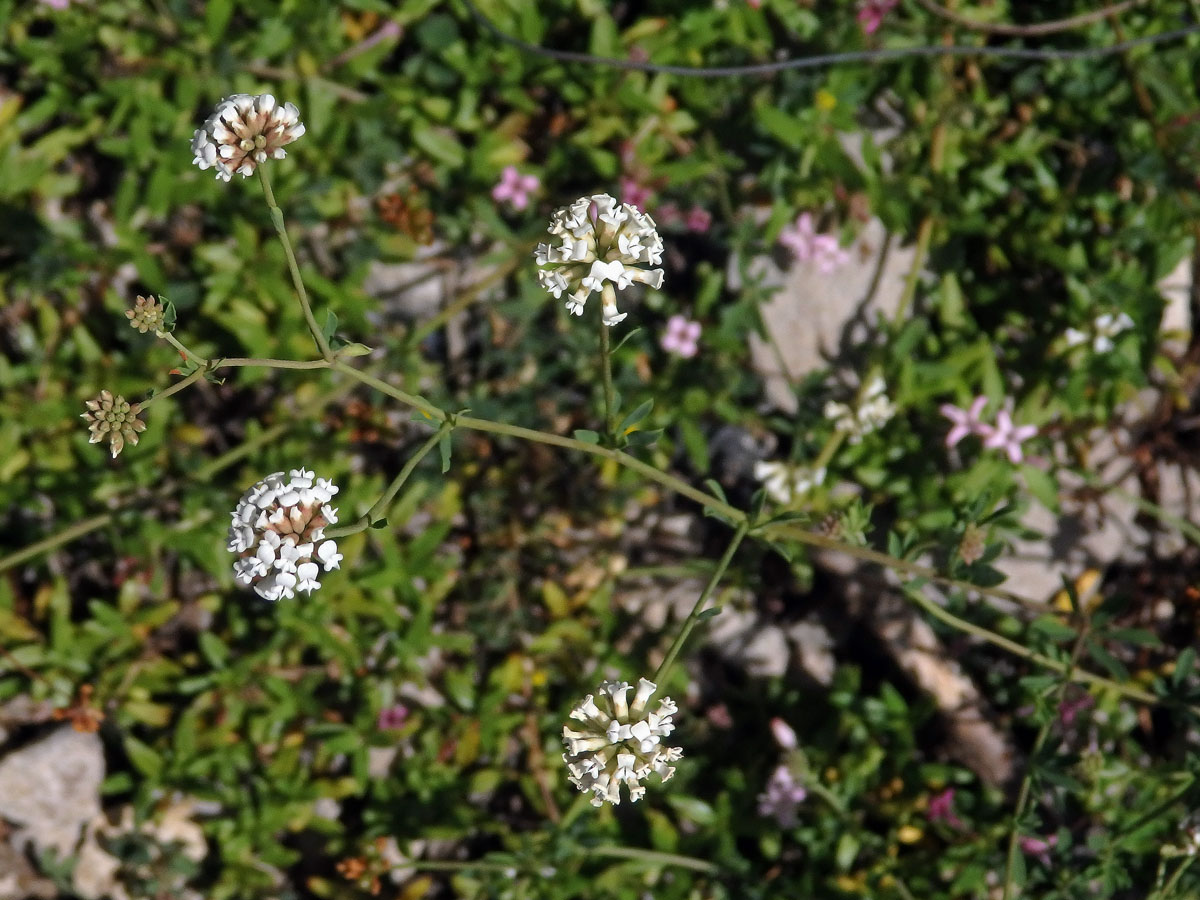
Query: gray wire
[830,59]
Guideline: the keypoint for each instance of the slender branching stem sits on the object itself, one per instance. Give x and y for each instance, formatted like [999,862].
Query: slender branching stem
[1027,782]
[293,268]
[1169,887]
[188,354]
[689,623]
[379,507]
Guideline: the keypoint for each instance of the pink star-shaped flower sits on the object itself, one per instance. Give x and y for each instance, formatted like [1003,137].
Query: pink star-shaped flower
[965,421]
[806,245]
[515,187]
[1039,847]
[871,13]
[635,194]
[699,219]
[1008,437]
[941,809]
[681,337]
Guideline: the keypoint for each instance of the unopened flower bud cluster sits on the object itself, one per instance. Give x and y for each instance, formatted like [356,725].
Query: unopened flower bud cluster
[113,419]
[278,531]
[619,742]
[601,244]
[874,410]
[147,315]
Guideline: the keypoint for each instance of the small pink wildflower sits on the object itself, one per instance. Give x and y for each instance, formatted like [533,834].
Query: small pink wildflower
[515,187]
[681,337]
[806,245]
[1039,847]
[668,214]
[56,4]
[941,809]
[782,797]
[699,219]
[634,193]
[1008,437]
[754,4]
[966,421]
[871,13]
[1069,710]
[785,737]
[392,717]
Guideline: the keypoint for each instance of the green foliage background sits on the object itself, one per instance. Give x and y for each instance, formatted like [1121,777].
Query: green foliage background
[1046,193]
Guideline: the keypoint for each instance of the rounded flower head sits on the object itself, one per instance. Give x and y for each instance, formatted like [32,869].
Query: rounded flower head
[278,532]
[147,315]
[113,419]
[619,742]
[243,131]
[601,244]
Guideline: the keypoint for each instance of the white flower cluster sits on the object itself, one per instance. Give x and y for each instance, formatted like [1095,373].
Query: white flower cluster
[619,742]
[243,131]
[785,482]
[1104,329]
[601,242]
[278,531]
[873,411]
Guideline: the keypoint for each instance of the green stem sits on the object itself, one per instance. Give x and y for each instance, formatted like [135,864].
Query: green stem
[690,622]
[227,362]
[610,425]
[68,534]
[1169,887]
[373,515]
[830,448]
[297,281]
[203,474]
[175,388]
[1046,662]
[1027,781]
[654,857]
[735,515]
[188,354]
[212,365]
[465,298]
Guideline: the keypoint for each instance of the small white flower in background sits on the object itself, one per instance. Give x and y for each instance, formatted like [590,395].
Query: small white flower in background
[278,532]
[1104,328]
[874,410]
[243,131]
[1191,835]
[785,483]
[619,742]
[601,244]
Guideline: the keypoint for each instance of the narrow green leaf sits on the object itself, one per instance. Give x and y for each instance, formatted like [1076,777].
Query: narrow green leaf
[1184,664]
[444,449]
[636,416]
[715,488]
[587,436]
[621,343]
[331,324]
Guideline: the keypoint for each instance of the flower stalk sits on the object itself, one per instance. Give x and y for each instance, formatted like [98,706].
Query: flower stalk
[293,268]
